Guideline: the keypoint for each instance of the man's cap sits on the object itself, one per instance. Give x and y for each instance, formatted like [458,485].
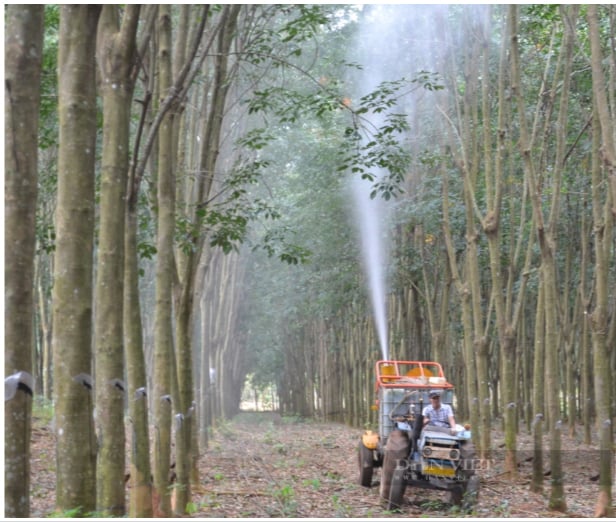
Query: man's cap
[435,393]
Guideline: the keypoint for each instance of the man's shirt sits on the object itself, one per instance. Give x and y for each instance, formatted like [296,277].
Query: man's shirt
[438,417]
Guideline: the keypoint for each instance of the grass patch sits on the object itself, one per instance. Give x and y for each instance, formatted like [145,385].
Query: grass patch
[42,410]
[256,417]
[315,483]
[295,419]
[285,495]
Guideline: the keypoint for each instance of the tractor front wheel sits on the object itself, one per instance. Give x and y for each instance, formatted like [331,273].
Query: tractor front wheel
[366,465]
[396,490]
[396,451]
[472,493]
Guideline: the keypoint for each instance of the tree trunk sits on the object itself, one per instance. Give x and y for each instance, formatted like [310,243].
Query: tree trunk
[72,291]
[204,399]
[536,484]
[116,48]
[539,357]
[506,320]
[23,55]
[464,141]
[548,273]
[44,313]
[464,294]
[183,407]
[140,502]
[140,499]
[188,262]
[605,113]
[163,322]
[604,148]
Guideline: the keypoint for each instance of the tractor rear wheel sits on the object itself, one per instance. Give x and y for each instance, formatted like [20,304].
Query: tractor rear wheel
[366,465]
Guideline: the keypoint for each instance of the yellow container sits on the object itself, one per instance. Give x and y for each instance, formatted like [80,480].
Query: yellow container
[388,369]
[370,439]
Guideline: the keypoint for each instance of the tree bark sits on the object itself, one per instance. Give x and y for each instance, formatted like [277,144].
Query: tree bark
[163,321]
[140,505]
[72,291]
[116,54]
[23,55]
[603,153]
[140,499]
[605,114]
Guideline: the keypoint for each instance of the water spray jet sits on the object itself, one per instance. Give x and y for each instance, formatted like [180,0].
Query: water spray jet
[369,216]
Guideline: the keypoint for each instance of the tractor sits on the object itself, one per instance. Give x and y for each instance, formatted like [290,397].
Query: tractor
[409,453]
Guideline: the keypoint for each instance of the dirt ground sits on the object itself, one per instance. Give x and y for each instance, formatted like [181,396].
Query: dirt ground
[262,466]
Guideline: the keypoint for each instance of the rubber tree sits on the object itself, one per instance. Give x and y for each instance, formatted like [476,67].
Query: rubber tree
[46,203]
[564,72]
[163,325]
[508,313]
[72,296]
[219,36]
[491,225]
[545,236]
[185,57]
[140,501]
[116,59]
[463,143]
[23,54]
[604,160]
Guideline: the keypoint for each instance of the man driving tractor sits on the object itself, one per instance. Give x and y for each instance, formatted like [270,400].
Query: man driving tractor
[437,414]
